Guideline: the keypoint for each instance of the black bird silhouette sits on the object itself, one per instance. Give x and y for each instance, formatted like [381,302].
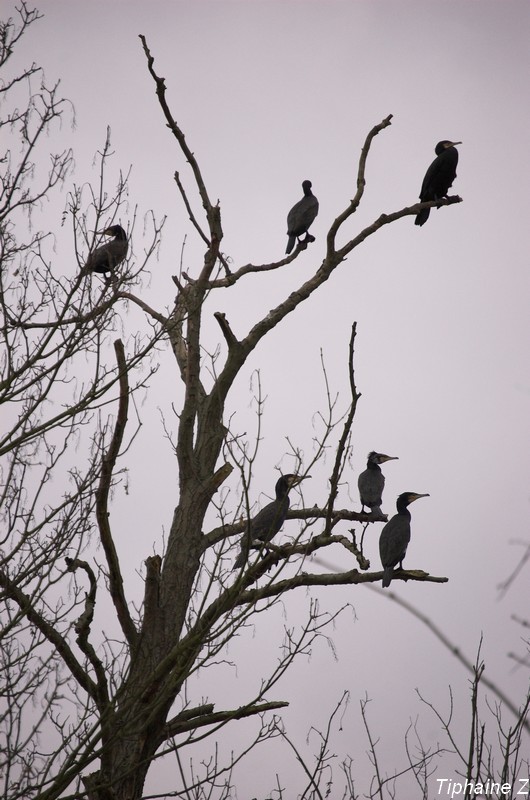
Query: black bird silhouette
[371,482]
[439,177]
[395,536]
[301,216]
[107,257]
[267,522]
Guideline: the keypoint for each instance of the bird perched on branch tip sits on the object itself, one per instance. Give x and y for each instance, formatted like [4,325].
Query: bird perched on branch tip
[395,536]
[439,177]
[301,216]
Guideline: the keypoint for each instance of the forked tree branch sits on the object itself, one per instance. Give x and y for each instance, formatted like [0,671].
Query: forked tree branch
[222,532]
[237,357]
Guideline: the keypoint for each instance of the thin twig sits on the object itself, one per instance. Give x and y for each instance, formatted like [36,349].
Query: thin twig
[337,468]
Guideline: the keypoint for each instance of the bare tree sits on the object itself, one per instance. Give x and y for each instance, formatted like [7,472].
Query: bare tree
[113,704]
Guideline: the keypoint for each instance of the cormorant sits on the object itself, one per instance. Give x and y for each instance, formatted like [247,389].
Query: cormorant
[439,177]
[371,482]
[107,257]
[395,536]
[301,216]
[270,519]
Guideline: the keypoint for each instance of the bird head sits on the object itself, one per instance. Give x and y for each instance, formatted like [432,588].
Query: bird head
[380,458]
[306,186]
[293,480]
[407,498]
[286,482]
[445,144]
[115,230]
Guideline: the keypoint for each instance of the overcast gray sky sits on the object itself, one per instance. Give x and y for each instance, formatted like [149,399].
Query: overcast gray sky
[271,93]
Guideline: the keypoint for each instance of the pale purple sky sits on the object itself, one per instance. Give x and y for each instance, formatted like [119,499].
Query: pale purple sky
[271,93]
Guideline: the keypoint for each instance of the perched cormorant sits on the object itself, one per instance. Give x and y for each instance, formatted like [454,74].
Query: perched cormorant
[301,216]
[395,536]
[270,519]
[439,177]
[107,257]
[371,482]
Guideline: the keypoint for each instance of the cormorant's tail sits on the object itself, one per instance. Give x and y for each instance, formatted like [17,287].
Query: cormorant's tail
[387,576]
[290,243]
[422,217]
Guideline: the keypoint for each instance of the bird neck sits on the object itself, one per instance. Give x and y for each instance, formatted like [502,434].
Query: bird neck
[281,506]
[403,510]
[282,489]
[375,467]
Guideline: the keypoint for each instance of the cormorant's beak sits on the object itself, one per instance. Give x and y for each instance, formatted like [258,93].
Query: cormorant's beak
[298,479]
[417,496]
[384,458]
[452,144]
